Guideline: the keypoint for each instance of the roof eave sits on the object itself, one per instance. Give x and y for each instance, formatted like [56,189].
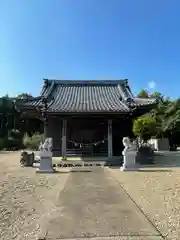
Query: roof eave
[67,82]
[89,113]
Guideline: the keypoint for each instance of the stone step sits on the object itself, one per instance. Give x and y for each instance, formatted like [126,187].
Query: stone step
[89,163]
[80,164]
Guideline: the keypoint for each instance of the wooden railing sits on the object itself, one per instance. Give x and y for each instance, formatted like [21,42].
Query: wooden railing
[86,151]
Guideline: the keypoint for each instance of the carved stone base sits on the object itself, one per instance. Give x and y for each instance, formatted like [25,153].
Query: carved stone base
[129,168]
[129,161]
[45,165]
[45,171]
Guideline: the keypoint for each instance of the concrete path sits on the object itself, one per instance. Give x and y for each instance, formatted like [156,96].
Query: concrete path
[93,205]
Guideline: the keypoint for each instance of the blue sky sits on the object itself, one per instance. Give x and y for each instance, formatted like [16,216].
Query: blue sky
[90,39]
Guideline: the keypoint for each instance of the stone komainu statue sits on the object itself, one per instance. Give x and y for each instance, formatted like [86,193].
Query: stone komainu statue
[129,146]
[46,147]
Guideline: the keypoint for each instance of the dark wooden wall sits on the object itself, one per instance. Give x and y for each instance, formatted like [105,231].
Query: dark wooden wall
[121,127]
[55,131]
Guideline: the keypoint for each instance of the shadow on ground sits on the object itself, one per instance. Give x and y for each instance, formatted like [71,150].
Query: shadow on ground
[154,170]
[66,172]
[150,169]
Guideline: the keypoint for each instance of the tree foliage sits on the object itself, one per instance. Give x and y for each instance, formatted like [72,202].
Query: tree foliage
[166,114]
[13,124]
[7,113]
[145,127]
[143,94]
[24,96]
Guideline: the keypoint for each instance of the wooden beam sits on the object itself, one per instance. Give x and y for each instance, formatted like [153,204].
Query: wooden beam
[110,150]
[64,138]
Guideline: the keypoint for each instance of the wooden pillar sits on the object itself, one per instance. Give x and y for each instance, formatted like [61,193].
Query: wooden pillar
[44,114]
[64,132]
[45,128]
[110,150]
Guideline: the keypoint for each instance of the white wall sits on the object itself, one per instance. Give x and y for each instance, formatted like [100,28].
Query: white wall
[160,144]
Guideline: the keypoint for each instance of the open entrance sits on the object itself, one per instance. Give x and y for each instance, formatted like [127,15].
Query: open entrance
[120,128]
[87,137]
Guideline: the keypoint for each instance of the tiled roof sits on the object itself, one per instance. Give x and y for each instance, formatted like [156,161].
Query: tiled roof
[88,97]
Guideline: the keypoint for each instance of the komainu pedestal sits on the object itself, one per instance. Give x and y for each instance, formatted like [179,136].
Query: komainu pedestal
[46,157]
[129,156]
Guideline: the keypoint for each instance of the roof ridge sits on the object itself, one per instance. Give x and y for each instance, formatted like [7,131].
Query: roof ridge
[88,82]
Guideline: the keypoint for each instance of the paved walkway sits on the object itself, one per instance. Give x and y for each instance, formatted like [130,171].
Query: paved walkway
[93,205]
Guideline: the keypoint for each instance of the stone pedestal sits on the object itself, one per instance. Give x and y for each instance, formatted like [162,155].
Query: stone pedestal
[129,161]
[45,165]
[27,159]
[46,157]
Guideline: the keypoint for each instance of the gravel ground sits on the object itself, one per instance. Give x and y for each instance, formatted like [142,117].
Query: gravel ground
[157,192]
[26,198]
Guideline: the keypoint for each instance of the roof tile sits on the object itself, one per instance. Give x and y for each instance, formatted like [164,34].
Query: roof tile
[89,96]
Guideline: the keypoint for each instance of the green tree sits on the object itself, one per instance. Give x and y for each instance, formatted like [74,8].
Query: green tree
[13,122]
[7,112]
[145,127]
[157,95]
[172,117]
[143,94]
[24,95]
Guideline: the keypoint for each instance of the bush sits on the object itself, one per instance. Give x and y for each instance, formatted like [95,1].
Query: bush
[145,127]
[3,143]
[145,155]
[14,133]
[14,140]
[32,142]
